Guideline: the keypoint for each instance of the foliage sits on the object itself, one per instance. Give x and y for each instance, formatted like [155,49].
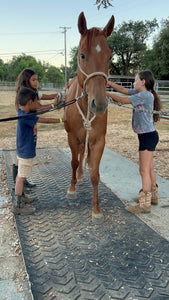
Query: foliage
[46,73]
[157,59]
[128,43]
[73,61]
[104,3]
[54,75]
[1,69]
[69,71]
[19,63]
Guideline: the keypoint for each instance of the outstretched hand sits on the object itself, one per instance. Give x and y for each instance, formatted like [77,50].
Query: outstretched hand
[59,98]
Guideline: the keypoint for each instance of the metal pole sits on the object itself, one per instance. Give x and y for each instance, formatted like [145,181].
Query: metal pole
[64,31]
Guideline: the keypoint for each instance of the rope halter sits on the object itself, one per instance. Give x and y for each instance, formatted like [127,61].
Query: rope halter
[88,76]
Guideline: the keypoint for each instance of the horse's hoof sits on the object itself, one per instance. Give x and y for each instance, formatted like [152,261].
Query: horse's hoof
[79,181]
[97,218]
[71,195]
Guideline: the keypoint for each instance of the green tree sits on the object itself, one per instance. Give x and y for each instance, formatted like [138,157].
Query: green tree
[73,62]
[54,75]
[21,62]
[69,72]
[1,70]
[157,59]
[128,43]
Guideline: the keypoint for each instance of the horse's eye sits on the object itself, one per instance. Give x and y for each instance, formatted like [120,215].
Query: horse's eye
[110,58]
[82,56]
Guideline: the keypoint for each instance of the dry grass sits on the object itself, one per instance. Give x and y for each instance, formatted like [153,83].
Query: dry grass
[120,136]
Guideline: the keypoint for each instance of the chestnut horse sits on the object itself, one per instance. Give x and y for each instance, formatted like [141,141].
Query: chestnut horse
[86,120]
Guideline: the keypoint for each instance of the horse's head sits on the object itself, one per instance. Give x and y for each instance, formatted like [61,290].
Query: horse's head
[93,62]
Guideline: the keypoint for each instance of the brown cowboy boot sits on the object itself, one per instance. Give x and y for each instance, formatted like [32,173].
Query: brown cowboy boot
[144,205]
[154,195]
[138,197]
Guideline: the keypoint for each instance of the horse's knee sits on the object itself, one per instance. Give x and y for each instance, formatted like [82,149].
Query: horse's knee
[95,177]
[74,164]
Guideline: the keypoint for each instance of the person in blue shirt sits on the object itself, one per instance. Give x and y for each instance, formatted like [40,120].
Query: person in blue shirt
[26,137]
[143,97]
[29,78]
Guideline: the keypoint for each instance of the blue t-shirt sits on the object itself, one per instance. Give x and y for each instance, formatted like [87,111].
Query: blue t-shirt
[142,122]
[26,135]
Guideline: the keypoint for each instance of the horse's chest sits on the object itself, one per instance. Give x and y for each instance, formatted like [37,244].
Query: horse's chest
[93,134]
[79,128]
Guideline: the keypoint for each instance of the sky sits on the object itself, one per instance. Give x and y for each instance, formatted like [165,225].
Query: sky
[35,27]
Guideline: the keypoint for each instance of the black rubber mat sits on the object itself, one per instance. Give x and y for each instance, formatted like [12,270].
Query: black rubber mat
[68,257]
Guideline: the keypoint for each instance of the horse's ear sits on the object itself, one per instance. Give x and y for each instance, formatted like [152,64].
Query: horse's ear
[109,27]
[82,24]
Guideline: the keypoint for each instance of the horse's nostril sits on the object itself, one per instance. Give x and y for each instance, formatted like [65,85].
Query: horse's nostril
[98,108]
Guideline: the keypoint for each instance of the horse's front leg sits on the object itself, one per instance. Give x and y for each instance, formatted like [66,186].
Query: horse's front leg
[80,167]
[71,193]
[95,177]
[95,157]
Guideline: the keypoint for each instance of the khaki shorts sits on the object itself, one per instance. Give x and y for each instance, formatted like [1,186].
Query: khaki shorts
[25,167]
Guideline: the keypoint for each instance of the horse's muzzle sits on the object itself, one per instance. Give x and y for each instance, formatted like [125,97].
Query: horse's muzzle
[96,108]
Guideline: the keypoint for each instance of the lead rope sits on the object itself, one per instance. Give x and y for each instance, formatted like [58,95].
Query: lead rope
[87,126]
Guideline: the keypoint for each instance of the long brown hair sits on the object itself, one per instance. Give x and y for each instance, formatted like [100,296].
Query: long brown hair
[148,76]
[23,81]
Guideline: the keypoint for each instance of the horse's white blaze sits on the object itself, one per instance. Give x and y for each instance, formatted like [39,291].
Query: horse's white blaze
[98,48]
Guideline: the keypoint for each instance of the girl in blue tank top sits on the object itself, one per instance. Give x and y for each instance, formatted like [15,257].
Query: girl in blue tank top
[143,97]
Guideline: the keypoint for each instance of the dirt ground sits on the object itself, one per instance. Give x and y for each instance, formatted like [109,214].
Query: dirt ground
[120,138]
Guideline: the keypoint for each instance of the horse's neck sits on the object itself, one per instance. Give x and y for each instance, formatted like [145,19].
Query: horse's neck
[78,89]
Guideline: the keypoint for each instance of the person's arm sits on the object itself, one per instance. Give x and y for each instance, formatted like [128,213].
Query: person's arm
[41,107]
[118,88]
[124,100]
[50,120]
[56,102]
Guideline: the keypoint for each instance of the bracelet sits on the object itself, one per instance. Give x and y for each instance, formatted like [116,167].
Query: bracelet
[60,120]
[52,105]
